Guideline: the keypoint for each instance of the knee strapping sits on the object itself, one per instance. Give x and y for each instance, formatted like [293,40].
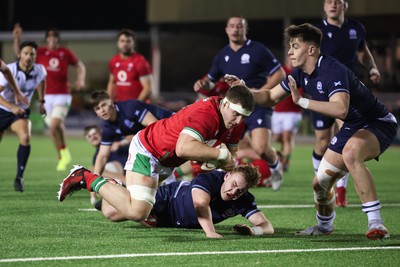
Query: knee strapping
[143,193]
[326,176]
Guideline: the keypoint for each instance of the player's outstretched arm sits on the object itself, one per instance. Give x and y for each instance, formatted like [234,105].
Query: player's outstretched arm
[261,226]
[201,202]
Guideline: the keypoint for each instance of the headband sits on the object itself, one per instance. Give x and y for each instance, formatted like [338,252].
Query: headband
[236,107]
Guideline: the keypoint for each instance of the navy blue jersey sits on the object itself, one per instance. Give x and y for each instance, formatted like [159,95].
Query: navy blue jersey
[120,155]
[253,63]
[330,77]
[343,43]
[174,204]
[130,115]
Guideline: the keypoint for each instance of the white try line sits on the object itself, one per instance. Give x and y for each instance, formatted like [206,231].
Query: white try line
[91,257]
[292,206]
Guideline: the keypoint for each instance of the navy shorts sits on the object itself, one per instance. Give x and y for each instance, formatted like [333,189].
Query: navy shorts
[384,131]
[260,118]
[321,122]
[7,118]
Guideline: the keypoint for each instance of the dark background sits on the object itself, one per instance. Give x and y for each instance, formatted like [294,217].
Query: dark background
[37,15]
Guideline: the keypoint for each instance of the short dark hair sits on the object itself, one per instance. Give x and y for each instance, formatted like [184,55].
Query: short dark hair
[126,32]
[28,43]
[240,94]
[250,173]
[306,32]
[55,32]
[98,96]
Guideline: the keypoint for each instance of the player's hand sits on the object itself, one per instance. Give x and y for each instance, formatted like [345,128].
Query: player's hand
[229,163]
[201,85]
[233,80]
[17,31]
[374,75]
[294,90]
[243,229]
[42,110]
[214,235]
[19,96]
[79,85]
[16,110]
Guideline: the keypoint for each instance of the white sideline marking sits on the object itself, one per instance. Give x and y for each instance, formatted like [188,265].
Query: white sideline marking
[90,257]
[292,206]
[312,206]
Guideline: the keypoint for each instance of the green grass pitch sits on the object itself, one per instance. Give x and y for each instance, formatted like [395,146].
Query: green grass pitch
[37,230]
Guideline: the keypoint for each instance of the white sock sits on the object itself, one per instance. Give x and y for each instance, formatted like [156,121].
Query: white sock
[342,182]
[325,223]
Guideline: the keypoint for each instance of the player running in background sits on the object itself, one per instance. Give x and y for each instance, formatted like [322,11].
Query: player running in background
[207,131]
[257,66]
[208,199]
[368,129]
[343,39]
[130,73]
[286,120]
[29,77]
[56,59]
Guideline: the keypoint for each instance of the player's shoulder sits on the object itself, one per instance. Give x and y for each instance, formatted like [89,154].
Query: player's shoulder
[354,23]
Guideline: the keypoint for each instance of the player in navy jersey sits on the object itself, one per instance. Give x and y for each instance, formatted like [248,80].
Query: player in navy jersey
[343,39]
[258,67]
[208,199]
[368,128]
[30,77]
[122,120]
[114,168]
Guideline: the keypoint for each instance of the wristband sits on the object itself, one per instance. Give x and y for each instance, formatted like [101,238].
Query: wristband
[223,154]
[257,230]
[303,102]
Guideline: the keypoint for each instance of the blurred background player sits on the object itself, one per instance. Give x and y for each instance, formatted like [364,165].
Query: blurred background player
[343,39]
[258,67]
[130,73]
[208,199]
[114,167]
[286,120]
[30,77]
[56,60]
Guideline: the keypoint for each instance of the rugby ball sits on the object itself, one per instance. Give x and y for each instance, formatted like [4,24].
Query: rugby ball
[208,166]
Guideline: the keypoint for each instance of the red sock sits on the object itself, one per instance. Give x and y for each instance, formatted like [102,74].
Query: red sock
[90,177]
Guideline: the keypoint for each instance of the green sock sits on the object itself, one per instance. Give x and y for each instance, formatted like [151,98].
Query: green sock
[96,184]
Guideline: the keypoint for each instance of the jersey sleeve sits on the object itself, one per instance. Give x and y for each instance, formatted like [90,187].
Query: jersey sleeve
[295,73]
[108,136]
[247,205]
[209,182]
[72,59]
[268,60]
[215,72]
[143,67]
[203,123]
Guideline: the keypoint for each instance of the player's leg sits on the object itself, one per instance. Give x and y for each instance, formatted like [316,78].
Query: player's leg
[364,145]
[57,107]
[330,168]
[21,127]
[290,126]
[341,184]
[261,144]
